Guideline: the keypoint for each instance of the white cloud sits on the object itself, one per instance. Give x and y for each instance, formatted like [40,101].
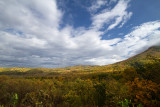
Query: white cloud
[142,37]
[96,5]
[35,17]
[112,17]
[105,60]
[30,36]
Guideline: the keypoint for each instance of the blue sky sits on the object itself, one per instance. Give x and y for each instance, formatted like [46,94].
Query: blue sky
[59,33]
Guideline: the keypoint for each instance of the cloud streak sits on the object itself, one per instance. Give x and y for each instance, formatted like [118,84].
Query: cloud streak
[96,5]
[112,17]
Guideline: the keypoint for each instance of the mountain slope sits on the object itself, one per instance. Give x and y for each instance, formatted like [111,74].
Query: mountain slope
[144,57]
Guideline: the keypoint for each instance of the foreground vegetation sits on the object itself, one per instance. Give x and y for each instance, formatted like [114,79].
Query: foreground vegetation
[137,85]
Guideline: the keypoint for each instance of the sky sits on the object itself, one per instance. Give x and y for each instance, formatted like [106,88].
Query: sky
[60,33]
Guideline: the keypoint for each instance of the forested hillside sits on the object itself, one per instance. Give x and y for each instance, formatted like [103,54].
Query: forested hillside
[134,82]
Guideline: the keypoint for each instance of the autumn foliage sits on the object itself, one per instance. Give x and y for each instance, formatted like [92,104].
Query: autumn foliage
[145,92]
[136,85]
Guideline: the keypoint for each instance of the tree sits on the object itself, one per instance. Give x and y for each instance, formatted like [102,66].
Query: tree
[144,92]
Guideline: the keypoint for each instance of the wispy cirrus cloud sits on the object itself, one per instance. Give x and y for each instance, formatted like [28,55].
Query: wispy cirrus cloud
[111,18]
[96,5]
[142,37]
